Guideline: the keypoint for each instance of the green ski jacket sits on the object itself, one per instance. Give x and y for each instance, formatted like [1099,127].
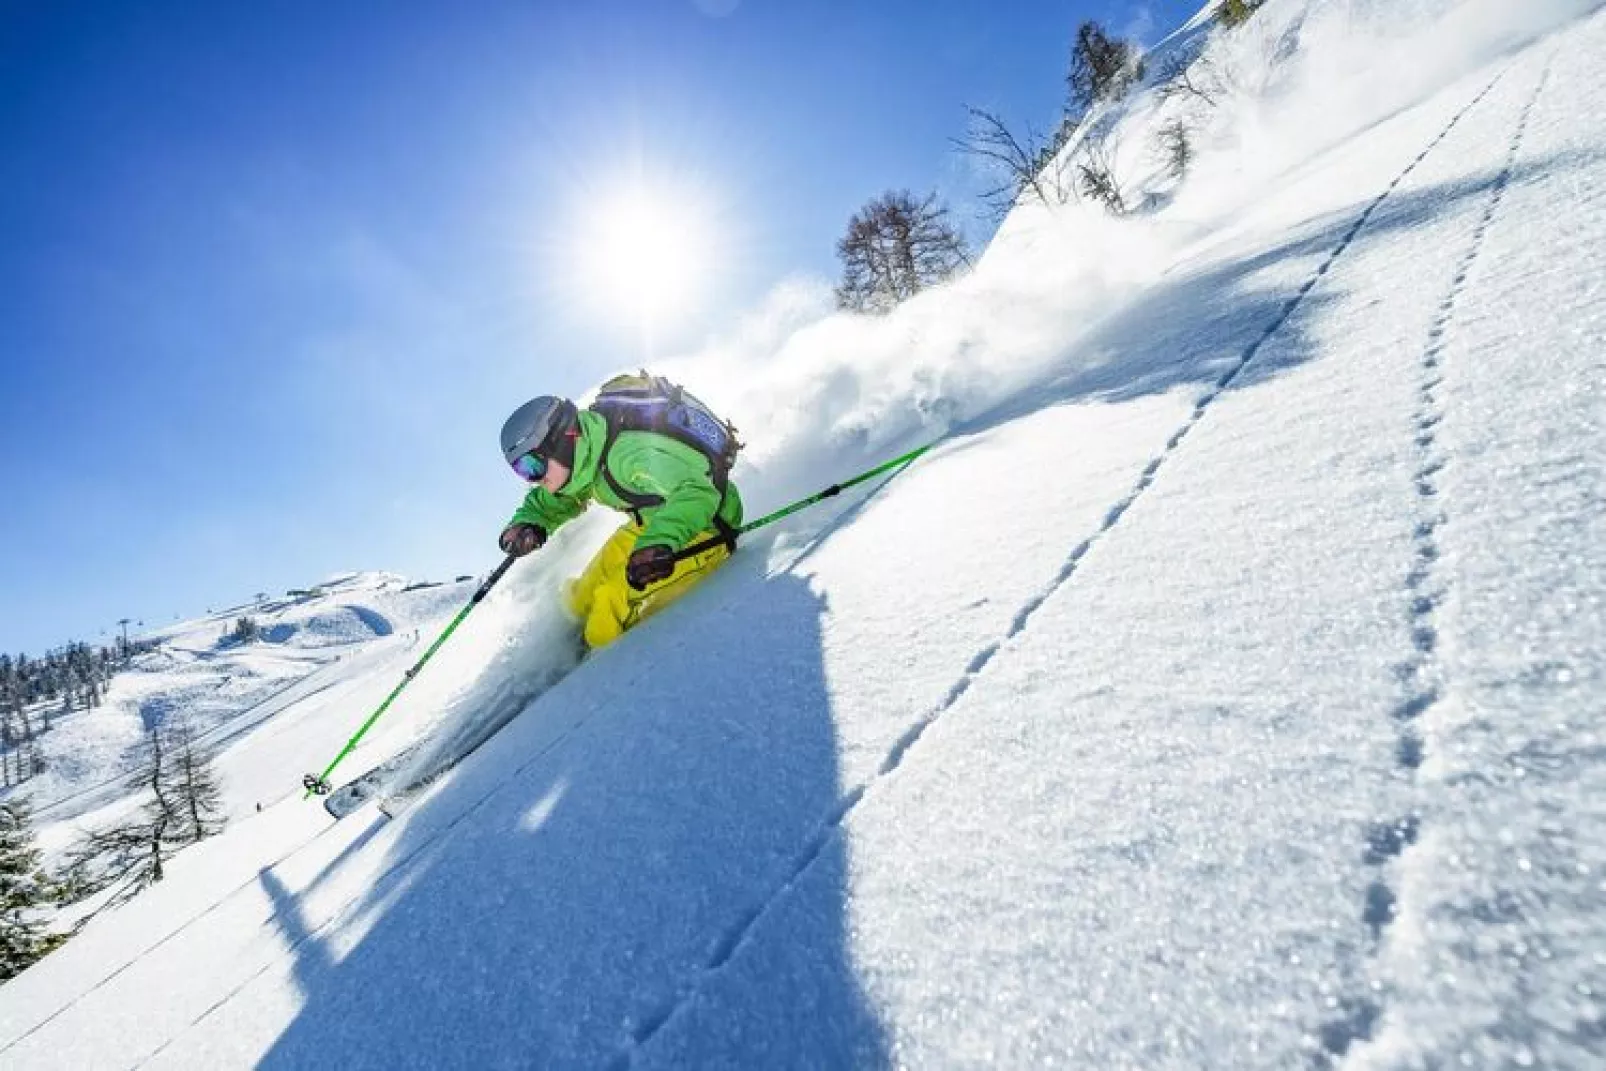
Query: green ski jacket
[642,463]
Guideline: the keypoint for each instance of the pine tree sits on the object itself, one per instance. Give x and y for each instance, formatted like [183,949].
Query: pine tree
[17,735]
[24,891]
[9,741]
[1175,143]
[1102,68]
[1236,12]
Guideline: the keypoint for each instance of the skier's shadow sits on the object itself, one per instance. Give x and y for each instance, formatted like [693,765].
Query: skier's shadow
[616,875]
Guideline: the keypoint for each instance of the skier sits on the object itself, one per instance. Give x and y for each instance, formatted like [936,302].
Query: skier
[644,447]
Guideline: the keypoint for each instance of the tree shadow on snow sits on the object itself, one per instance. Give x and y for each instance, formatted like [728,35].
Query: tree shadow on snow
[636,869]
[1194,327]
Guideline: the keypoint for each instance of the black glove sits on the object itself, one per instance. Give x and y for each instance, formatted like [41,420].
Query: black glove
[648,565]
[519,539]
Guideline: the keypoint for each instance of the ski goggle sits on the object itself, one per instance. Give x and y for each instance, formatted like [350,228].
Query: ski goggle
[531,466]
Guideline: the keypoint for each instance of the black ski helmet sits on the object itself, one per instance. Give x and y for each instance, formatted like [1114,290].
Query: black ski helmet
[539,425]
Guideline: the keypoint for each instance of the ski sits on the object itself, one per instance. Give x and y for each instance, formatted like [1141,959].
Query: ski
[365,786]
[392,804]
[443,762]
[404,777]
[417,766]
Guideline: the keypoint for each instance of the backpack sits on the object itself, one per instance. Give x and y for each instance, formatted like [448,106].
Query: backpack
[645,402]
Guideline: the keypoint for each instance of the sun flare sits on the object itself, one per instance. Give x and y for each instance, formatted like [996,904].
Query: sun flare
[646,254]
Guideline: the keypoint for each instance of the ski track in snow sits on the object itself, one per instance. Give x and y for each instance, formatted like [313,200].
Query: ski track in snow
[1422,672]
[1385,842]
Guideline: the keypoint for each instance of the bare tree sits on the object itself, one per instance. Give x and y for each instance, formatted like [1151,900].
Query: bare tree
[193,787]
[895,247]
[1102,68]
[1192,77]
[184,806]
[1029,165]
[129,857]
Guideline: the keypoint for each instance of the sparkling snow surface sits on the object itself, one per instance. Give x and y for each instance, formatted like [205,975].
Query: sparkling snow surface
[1237,702]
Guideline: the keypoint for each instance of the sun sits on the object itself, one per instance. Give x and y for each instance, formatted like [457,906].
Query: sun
[644,254]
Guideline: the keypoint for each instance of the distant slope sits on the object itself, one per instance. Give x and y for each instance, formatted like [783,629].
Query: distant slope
[224,689]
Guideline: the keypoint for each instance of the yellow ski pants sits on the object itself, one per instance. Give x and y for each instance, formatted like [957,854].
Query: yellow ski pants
[608,605]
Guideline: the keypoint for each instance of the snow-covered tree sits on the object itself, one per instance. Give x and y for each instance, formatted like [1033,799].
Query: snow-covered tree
[24,891]
[245,630]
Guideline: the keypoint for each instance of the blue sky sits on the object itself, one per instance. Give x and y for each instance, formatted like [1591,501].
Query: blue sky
[273,274]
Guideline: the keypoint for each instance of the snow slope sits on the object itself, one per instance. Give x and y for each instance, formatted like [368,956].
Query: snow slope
[316,650]
[1224,692]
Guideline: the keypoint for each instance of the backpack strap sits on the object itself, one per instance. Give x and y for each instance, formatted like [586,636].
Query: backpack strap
[636,501]
[727,534]
[719,474]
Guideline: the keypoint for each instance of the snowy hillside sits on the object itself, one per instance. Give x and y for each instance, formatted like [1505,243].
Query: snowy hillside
[1227,690]
[315,648]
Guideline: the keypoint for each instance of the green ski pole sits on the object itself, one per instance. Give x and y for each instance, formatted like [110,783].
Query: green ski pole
[318,785]
[805,503]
